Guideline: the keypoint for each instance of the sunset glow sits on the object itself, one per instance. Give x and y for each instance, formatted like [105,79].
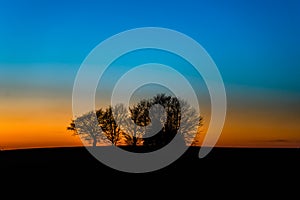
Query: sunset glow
[42,47]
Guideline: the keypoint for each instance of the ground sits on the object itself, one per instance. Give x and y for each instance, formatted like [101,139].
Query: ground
[233,168]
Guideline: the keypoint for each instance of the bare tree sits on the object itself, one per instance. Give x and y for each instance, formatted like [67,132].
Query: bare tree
[100,126]
[151,123]
[109,125]
[190,122]
[87,127]
[180,117]
[139,116]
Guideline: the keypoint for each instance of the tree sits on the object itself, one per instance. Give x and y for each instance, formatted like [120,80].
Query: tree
[178,117]
[98,126]
[87,127]
[152,123]
[171,124]
[139,115]
[108,123]
[190,123]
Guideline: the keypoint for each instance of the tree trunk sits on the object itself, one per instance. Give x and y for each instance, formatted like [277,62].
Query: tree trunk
[94,142]
[134,141]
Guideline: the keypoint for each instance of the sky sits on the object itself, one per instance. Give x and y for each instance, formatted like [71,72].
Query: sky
[255,45]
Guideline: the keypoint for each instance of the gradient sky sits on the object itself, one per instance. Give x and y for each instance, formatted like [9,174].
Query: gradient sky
[255,45]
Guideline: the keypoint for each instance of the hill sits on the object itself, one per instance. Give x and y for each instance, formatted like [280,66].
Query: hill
[229,158]
[233,168]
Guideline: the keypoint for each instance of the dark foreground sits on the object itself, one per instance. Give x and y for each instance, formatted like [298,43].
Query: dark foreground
[223,167]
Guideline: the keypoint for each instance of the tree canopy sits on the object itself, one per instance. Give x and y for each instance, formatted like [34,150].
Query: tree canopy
[152,123]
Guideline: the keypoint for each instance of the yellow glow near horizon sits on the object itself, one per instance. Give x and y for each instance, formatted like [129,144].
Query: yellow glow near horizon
[41,121]
[35,121]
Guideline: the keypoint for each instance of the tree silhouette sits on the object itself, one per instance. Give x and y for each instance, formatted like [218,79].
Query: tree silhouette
[171,124]
[180,117]
[87,127]
[99,126]
[108,124]
[139,115]
[190,123]
[152,123]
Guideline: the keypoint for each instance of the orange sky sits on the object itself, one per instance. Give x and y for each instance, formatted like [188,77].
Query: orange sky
[33,121]
[40,119]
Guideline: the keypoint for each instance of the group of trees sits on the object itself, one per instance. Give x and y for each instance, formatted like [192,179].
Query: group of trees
[151,123]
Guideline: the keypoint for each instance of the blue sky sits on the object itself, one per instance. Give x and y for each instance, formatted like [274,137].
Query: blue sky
[253,43]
